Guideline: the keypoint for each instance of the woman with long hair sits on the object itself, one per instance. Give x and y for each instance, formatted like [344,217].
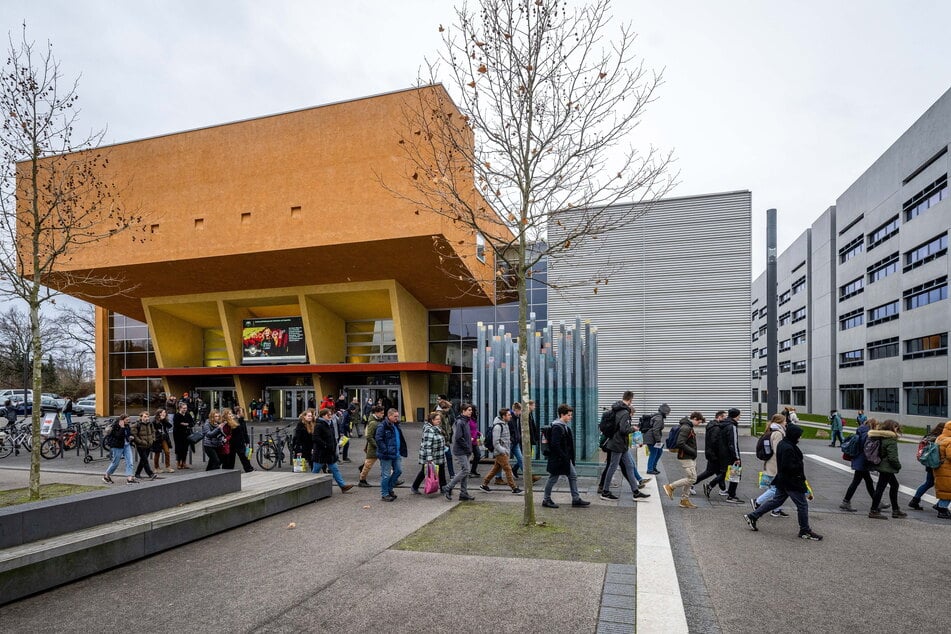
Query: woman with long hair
[182,424]
[303,441]
[229,431]
[240,440]
[929,472]
[213,440]
[163,440]
[887,434]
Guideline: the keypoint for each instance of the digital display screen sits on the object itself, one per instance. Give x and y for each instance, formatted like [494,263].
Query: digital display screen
[273,340]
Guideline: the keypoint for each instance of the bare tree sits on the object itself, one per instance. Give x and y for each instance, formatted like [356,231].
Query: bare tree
[54,198]
[550,106]
[76,326]
[15,340]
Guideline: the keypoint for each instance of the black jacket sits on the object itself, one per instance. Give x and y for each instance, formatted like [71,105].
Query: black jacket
[515,430]
[303,442]
[729,442]
[620,441]
[325,443]
[711,441]
[790,467]
[561,449]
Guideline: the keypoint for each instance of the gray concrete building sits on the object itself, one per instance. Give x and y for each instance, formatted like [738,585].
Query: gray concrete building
[875,270]
[672,320]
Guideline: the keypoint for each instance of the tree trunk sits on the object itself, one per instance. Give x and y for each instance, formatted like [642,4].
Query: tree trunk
[36,349]
[528,517]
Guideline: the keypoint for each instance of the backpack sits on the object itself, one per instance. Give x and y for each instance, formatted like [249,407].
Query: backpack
[645,422]
[489,440]
[764,446]
[608,424]
[929,455]
[872,451]
[671,441]
[852,447]
[546,440]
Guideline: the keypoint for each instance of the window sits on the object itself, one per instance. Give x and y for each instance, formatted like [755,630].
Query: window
[851,397]
[755,336]
[480,247]
[798,367]
[797,286]
[784,298]
[764,396]
[799,337]
[755,374]
[762,352]
[373,341]
[930,346]
[883,349]
[883,233]
[852,249]
[883,399]
[784,396]
[931,250]
[927,293]
[799,314]
[785,345]
[883,268]
[852,319]
[852,289]
[926,198]
[755,395]
[926,398]
[763,312]
[799,266]
[851,358]
[762,370]
[883,313]
[799,396]
[762,330]
[754,353]
[753,315]
[785,366]
[784,319]
[860,218]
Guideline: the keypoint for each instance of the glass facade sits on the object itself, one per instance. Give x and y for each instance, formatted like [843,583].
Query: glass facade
[131,347]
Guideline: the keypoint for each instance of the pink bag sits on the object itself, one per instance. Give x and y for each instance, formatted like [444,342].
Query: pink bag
[431,484]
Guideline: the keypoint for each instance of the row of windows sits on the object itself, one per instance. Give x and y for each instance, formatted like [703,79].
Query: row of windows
[927,293]
[928,346]
[883,233]
[883,268]
[934,248]
[796,396]
[926,198]
[852,289]
[922,398]
[922,295]
[852,249]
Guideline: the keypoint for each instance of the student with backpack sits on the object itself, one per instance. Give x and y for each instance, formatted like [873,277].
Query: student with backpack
[499,442]
[766,451]
[686,447]
[860,468]
[619,445]
[926,446]
[886,437]
[711,451]
[790,482]
[561,459]
[942,473]
[729,455]
[654,437]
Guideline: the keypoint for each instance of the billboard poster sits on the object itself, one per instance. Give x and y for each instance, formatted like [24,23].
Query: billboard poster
[273,340]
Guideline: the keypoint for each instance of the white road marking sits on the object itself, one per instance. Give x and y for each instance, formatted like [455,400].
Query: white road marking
[930,499]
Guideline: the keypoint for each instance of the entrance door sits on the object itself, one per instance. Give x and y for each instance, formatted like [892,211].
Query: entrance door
[290,402]
[216,398]
[387,395]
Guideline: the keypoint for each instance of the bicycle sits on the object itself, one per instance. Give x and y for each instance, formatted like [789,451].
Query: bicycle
[74,437]
[16,435]
[270,453]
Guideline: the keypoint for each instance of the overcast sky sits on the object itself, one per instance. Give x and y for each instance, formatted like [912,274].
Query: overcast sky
[791,100]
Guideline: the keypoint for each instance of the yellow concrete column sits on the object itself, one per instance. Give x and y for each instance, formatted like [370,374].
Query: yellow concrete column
[103,345]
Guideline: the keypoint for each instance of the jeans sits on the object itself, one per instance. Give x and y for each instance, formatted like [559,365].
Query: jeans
[622,457]
[929,482]
[69,418]
[519,459]
[319,466]
[449,467]
[857,477]
[690,477]
[654,457]
[889,480]
[118,453]
[798,498]
[476,457]
[144,462]
[766,496]
[607,463]
[836,434]
[390,473]
[572,484]
[501,464]
[943,504]
[462,475]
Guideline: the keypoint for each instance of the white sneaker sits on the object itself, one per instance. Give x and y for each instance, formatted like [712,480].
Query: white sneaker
[723,493]
[693,491]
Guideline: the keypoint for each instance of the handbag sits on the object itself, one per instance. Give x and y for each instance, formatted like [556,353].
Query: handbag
[764,480]
[734,473]
[195,436]
[431,484]
[638,439]
[300,464]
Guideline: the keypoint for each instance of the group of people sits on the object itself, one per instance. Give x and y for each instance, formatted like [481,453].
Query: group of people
[223,435]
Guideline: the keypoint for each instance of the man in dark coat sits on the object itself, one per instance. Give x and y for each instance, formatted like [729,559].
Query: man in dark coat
[325,448]
[728,455]
[711,451]
[790,482]
[618,446]
[561,458]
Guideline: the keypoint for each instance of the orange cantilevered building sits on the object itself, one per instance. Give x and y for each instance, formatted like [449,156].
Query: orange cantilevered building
[279,223]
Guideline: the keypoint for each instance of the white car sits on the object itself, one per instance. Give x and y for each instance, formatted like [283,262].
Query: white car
[84,407]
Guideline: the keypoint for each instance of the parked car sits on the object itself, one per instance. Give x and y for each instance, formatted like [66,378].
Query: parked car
[25,408]
[84,407]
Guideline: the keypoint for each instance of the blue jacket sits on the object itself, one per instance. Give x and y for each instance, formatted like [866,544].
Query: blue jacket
[386,441]
[858,462]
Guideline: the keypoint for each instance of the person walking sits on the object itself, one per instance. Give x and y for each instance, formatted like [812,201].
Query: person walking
[686,447]
[461,454]
[213,440]
[887,436]
[446,423]
[143,437]
[163,440]
[390,450]
[240,441]
[68,411]
[432,451]
[561,458]
[942,475]
[777,432]
[182,424]
[325,448]
[728,454]
[119,441]
[930,437]
[375,417]
[860,470]
[619,444]
[476,443]
[501,447]
[711,452]
[790,482]
[835,427]
[654,438]
[303,441]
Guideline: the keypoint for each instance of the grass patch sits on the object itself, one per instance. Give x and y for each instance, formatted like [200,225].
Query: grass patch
[824,420]
[600,534]
[47,492]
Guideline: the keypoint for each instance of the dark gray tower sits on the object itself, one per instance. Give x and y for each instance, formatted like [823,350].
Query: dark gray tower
[772,347]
